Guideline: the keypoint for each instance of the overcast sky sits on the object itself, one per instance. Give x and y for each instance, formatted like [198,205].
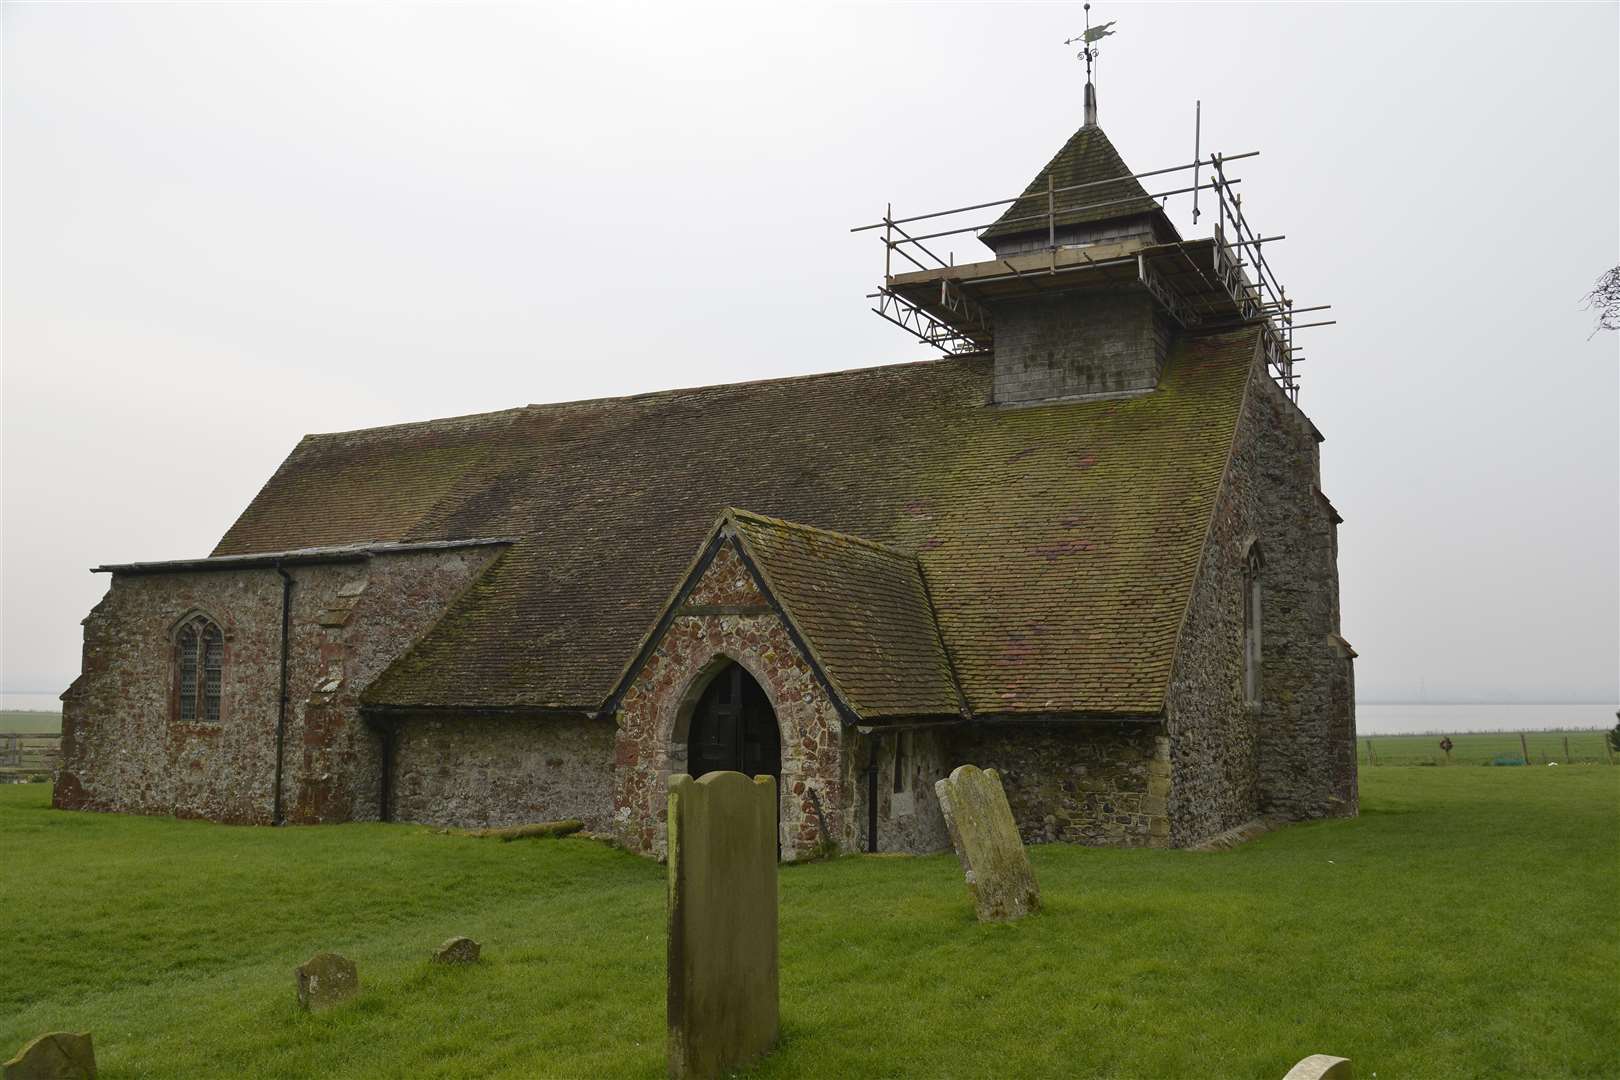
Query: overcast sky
[229,225]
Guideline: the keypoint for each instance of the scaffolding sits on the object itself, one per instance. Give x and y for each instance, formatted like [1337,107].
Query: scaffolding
[1224,279]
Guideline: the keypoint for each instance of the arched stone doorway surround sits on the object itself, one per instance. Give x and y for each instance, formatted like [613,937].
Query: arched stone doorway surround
[726,620]
[730,710]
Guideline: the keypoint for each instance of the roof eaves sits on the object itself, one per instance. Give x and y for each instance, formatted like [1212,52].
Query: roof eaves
[296,556]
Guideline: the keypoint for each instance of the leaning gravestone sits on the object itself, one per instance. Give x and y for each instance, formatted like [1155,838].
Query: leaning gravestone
[326,979]
[56,1055]
[999,877]
[722,1004]
[458,950]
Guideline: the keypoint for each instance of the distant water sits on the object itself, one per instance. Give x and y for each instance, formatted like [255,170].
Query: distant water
[1417,719]
[30,702]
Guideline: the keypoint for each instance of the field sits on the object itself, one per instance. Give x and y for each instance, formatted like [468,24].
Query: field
[1462,926]
[1483,748]
[29,720]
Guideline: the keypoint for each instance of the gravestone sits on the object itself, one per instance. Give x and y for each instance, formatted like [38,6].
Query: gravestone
[999,877]
[326,979]
[458,950]
[1320,1067]
[56,1055]
[722,1003]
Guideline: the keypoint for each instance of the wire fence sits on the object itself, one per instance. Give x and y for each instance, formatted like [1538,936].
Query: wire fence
[1580,747]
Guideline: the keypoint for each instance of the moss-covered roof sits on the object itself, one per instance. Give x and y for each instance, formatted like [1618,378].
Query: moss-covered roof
[1058,541]
[1087,158]
[863,610]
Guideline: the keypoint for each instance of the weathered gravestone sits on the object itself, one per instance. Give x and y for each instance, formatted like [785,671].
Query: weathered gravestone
[1320,1067]
[722,1004]
[56,1055]
[326,979]
[999,877]
[458,950]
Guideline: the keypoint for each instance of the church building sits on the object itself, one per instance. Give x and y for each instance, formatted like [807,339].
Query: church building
[1086,546]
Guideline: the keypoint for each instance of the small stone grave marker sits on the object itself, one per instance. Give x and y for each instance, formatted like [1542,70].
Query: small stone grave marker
[1320,1067]
[458,950]
[999,877]
[326,979]
[55,1055]
[722,992]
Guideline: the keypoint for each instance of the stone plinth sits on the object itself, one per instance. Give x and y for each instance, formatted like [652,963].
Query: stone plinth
[999,877]
[722,1003]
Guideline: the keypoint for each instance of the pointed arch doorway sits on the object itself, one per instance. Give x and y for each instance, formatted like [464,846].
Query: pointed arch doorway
[734,728]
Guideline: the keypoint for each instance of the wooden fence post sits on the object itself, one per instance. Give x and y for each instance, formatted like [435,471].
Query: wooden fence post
[1524,746]
[1566,749]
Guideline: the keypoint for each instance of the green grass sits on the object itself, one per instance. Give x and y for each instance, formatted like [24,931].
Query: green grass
[1464,926]
[21,720]
[1481,748]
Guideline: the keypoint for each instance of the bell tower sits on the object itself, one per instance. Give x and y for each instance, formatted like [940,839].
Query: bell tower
[1088,283]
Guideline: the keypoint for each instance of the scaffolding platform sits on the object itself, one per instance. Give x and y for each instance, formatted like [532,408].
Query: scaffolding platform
[1220,280]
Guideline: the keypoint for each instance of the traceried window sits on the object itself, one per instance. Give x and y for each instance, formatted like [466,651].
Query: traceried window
[1253,564]
[199,653]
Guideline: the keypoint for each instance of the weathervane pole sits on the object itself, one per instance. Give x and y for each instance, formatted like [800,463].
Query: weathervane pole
[1087,40]
[1089,54]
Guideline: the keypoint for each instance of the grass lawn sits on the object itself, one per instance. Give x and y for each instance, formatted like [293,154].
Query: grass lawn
[1482,747]
[1464,926]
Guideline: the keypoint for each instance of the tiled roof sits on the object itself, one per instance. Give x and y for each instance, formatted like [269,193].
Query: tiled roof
[1086,158]
[1058,541]
[863,610]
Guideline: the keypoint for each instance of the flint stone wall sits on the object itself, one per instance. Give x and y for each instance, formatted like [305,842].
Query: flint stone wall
[1099,784]
[123,748]
[909,820]
[1308,718]
[468,771]
[1293,756]
[726,618]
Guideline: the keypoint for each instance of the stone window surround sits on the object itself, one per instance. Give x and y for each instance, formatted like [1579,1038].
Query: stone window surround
[1254,563]
[202,621]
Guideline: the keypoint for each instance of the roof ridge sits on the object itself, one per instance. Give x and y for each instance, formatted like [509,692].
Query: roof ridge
[529,408]
[877,545]
[806,377]
[514,411]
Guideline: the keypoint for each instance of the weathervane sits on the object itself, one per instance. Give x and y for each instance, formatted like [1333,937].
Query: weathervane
[1089,39]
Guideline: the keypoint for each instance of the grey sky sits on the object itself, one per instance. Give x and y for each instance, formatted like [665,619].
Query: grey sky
[226,226]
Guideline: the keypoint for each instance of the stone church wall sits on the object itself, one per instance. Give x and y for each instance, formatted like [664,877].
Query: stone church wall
[124,748]
[727,618]
[1100,784]
[471,771]
[910,819]
[1293,757]
[1308,724]
[1214,733]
